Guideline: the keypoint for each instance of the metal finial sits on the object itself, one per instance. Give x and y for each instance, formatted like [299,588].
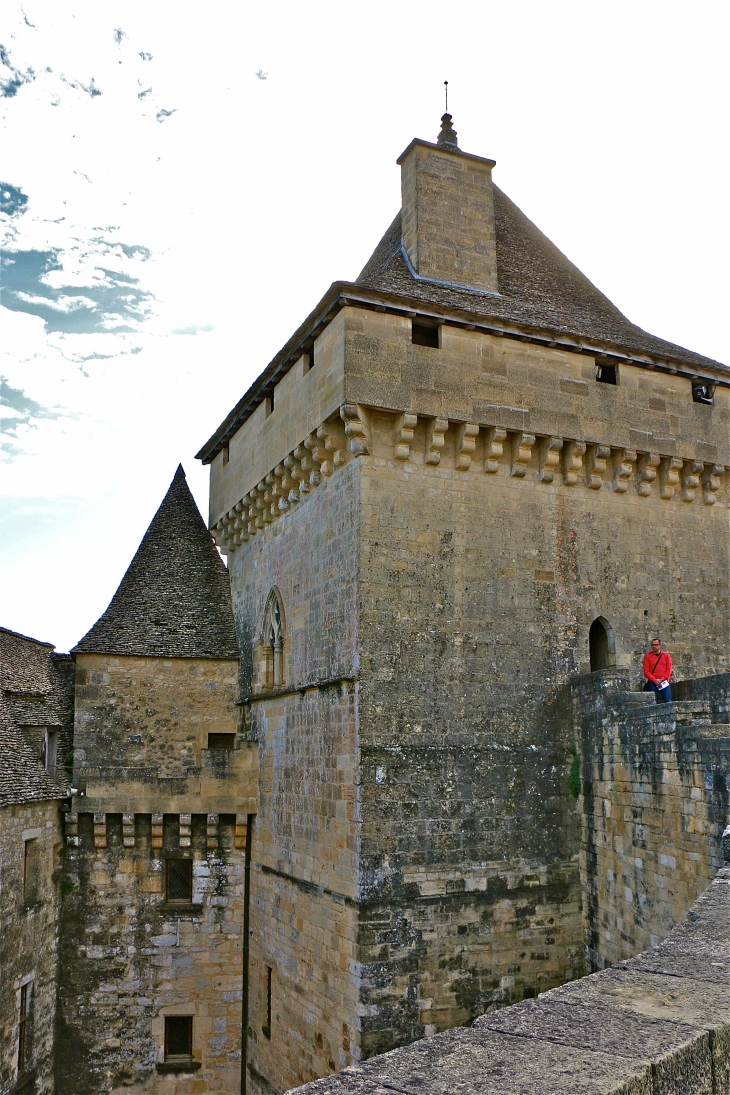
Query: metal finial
[446,87]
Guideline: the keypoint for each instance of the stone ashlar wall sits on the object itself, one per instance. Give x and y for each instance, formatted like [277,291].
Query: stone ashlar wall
[655,802]
[141,736]
[658,1024]
[29,939]
[499,500]
[306,839]
[129,958]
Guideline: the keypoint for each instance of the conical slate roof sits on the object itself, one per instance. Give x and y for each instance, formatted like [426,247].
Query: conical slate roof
[175,599]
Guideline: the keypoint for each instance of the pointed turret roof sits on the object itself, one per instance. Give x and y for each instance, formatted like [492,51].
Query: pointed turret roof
[175,599]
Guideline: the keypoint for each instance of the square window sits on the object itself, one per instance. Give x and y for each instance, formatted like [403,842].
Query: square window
[703,391]
[178,1037]
[179,881]
[606,374]
[424,333]
[221,741]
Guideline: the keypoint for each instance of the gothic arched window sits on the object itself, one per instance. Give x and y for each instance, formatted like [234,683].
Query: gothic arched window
[273,641]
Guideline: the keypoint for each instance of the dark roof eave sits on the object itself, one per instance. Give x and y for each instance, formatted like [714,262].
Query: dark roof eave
[342,293]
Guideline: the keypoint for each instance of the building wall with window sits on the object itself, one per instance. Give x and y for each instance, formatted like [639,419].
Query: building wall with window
[150,981]
[30,841]
[36,706]
[519,461]
[152,922]
[303,1007]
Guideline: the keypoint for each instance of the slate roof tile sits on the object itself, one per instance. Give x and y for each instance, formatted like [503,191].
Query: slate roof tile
[538,287]
[36,691]
[175,599]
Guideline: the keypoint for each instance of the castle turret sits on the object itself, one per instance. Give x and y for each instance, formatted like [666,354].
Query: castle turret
[166,784]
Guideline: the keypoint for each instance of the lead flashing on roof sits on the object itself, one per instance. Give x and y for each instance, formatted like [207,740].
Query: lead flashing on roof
[437,281]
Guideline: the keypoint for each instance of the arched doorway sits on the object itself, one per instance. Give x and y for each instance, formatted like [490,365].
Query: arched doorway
[602,644]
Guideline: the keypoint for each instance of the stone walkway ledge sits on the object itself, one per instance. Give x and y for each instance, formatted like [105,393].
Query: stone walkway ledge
[658,1024]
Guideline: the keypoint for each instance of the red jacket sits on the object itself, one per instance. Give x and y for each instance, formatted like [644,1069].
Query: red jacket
[661,671]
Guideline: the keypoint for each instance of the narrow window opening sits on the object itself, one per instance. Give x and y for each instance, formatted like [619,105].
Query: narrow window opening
[222,741]
[31,864]
[269,667]
[178,1037]
[179,881]
[309,361]
[50,750]
[23,1028]
[602,645]
[703,392]
[606,373]
[267,1028]
[224,455]
[424,333]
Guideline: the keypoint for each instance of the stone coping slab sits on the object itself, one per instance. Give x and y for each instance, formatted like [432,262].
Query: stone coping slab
[658,1024]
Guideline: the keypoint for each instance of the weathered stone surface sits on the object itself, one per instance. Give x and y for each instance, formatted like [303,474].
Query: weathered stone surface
[29,938]
[618,1031]
[655,802]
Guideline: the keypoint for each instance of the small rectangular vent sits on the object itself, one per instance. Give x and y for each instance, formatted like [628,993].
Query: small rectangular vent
[424,333]
[221,741]
[606,374]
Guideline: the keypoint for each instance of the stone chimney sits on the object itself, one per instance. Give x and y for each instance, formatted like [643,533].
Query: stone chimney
[448,212]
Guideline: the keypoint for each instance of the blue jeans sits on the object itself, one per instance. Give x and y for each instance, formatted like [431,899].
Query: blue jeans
[663,695]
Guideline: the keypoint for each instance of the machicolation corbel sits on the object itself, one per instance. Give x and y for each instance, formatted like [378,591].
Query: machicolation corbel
[466,441]
[522,444]
[405,425]
[435,439]
[573,453]
[494,440]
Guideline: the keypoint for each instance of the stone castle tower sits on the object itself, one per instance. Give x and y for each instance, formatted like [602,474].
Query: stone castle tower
[151,957]
[324,802]
[465,479]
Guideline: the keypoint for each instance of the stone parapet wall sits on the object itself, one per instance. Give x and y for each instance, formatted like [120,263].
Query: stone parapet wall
[655,802]
[656,1025]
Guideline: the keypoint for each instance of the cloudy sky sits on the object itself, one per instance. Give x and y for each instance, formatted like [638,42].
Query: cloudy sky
[180,183]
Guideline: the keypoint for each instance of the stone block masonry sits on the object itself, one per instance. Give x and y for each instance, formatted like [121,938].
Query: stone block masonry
[655,789]
[30,842]
[656,1025]
[133,956]
[439,547]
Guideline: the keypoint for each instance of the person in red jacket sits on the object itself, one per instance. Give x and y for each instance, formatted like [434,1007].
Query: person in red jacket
[658,670]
